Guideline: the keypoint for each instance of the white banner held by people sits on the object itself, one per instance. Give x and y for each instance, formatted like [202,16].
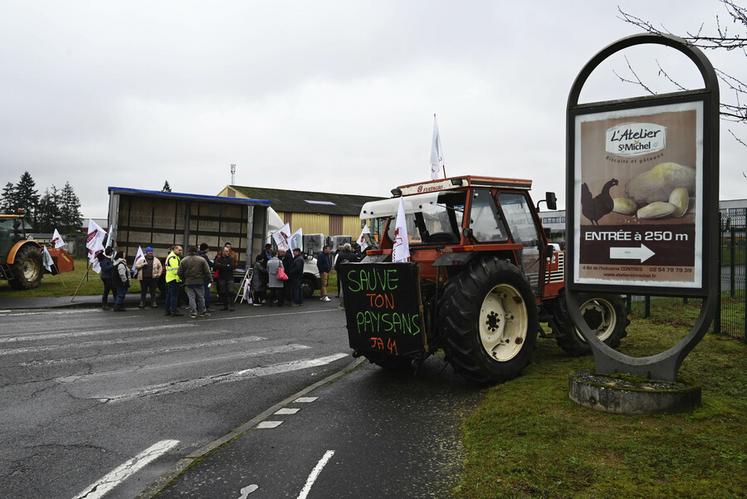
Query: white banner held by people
[282,238]
[362,239]
[57,240]
[401,251]
[438,168]
[95,242]
[138,255]
[296,241]
[246,294]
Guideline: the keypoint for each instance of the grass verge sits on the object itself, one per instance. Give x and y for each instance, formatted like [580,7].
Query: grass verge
[528,439]
[64,284]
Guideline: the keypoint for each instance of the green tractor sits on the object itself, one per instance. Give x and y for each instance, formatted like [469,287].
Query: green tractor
[21,258]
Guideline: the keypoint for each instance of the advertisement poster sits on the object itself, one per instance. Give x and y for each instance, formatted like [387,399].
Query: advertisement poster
[638,197]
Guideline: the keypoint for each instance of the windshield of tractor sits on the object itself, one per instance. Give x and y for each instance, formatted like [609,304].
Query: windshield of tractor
[437,221]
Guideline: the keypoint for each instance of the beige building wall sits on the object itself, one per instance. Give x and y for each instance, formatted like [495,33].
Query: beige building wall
[351,226]
[311,223]
[230,193]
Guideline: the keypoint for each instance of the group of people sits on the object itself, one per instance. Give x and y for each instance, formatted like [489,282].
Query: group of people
[195,274]
[277,277]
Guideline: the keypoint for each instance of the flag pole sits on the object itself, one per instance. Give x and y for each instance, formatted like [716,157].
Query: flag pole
[85,277]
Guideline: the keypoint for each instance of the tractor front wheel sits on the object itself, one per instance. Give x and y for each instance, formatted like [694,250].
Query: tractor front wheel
[27,268]
[488,320]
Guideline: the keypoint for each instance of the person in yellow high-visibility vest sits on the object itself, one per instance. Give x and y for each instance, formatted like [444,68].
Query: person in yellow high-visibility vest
[173,280]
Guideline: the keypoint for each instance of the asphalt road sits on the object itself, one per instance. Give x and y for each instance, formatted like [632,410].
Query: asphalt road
[371,434]
[87,394]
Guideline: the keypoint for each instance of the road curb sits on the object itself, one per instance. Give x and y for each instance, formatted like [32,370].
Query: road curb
[7,304]
[194,457]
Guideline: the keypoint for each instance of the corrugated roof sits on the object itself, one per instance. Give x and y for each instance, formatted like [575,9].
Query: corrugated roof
[185,195]
[307,202]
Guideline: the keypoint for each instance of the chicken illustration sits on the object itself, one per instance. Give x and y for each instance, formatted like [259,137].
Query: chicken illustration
[596,207]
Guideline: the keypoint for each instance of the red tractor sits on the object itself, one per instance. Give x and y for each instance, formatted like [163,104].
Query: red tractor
[487,276]
[21,258]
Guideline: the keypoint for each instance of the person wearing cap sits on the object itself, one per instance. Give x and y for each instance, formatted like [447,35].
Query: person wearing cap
[106,265]
[149,269]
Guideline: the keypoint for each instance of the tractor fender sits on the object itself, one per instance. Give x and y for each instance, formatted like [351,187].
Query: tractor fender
[16,248]
[463,258]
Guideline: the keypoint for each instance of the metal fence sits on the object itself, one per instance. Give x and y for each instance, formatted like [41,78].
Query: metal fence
[732,320]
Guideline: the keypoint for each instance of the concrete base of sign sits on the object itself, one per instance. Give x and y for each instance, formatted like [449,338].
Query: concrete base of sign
[623,394]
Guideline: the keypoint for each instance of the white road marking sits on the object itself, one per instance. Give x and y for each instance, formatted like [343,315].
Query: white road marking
[144,352]
[286,411]
[52,312]
[190,384]
[248,490]
[315,474]
[266,425]
[121,473]
[258,316]
[157,367]
[115,341]
[305,400]
[77,334]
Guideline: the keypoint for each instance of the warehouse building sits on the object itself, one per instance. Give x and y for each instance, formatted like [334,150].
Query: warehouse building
[314,212]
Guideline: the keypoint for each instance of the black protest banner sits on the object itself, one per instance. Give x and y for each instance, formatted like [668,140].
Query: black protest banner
[383,308]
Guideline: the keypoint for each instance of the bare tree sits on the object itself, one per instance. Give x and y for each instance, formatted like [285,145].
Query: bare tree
[725,36]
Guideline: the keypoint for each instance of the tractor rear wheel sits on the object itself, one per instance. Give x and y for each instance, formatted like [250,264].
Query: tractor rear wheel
[488,319]
[27,268]
[604,314]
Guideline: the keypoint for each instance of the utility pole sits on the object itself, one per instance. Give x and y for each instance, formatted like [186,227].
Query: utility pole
[233,173]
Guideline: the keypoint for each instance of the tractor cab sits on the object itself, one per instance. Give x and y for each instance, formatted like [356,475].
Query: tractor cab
[450,221]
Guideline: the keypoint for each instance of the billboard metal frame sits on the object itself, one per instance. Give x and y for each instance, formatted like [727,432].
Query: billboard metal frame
[662,366]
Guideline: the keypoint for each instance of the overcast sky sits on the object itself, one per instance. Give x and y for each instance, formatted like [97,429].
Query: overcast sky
[325,96]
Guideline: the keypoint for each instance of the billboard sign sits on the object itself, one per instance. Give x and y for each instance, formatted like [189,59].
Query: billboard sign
[638,208]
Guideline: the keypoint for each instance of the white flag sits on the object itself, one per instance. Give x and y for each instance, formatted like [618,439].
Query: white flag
[139,255]
[297,240]
[57,240]
[282,238]
[437,153]
[47,259]
[362,241]
[247,294]
[401,251]
[94,243]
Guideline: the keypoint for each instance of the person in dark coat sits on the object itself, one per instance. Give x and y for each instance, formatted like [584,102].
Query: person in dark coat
[344,256]
[224,266]
[287,258]
[194,273]
[203,253]
[121,280]
[295,277]
[106,265]
[324,265]
[259,280]
[268,252]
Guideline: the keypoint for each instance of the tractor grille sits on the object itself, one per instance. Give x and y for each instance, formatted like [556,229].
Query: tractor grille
[559,274]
